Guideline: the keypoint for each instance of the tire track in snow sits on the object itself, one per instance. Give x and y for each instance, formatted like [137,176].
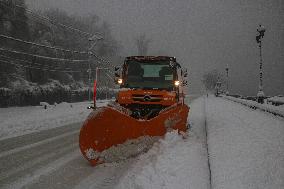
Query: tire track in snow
[206,136]
[24,140]
[48,169]
[20,164]
[78,173]
[21,158]
[19,149]
[27,167]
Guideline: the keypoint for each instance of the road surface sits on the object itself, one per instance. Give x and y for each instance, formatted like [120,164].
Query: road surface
[241,142]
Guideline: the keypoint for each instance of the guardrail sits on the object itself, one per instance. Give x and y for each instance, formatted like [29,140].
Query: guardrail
[275,110]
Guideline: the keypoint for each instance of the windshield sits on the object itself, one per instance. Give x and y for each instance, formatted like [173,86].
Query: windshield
[150,74]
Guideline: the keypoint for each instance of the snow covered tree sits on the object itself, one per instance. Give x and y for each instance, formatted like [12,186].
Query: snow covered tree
[13,19]
[210,79]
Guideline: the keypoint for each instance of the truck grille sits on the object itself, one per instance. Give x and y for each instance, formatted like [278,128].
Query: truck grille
[147,98]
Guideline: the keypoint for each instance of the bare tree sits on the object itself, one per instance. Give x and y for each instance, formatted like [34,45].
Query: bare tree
[142,44]
[210,79]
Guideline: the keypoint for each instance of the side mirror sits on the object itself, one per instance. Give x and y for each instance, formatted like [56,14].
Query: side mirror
[117,71]
[116,68]
[117,74]
[184,73]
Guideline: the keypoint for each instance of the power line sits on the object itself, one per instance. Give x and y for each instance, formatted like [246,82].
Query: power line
[109,70]
[44,46]
[100,59]
[33,63]
[44,57]
[56,48]
[62,25]
[109,76]
[43,69]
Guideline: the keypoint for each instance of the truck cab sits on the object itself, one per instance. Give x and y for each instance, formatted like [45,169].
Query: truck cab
[149,83]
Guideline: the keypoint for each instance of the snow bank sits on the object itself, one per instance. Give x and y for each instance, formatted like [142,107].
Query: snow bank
[17,121]
[173,162]
[277,110]
[246,147]
[123,151]
[276,100]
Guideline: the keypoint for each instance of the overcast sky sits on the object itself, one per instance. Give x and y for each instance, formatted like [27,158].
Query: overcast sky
[202,34]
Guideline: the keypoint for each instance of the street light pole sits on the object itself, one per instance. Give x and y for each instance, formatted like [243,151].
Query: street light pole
[260,94]
[227,73]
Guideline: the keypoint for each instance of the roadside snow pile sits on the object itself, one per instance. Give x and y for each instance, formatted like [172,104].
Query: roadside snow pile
[276,100]
[173,162]
[246,147]
[123,151]
[277,110]
[17,121]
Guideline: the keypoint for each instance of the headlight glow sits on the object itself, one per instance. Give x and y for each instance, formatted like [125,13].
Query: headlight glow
[119,81]
[176,83]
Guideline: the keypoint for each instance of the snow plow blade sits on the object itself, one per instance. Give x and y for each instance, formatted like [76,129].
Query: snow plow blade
[110,126]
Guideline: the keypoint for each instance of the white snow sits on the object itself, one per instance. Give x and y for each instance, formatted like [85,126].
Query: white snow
[173,162]
[26,147]
[278,110]
[15,121]
[276,99]
[246,150]
[128,149]
[22,182]
[246,146]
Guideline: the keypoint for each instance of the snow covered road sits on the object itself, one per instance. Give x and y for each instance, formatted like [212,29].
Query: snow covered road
[246,150]
[51,159]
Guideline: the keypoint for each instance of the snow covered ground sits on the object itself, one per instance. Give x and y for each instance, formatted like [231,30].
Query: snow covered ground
[246,150]
[17,121]
[173,162]
[277,110]
[246,146]
[276,100]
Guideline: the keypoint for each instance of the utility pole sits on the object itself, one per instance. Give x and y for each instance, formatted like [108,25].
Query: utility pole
[89,83]
[227,74]
[95,87]
[260,94]
[93,42]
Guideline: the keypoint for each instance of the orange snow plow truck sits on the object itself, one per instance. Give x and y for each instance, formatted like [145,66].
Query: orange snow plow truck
[150,102]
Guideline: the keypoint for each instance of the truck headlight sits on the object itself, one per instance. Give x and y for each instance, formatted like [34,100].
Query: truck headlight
[119,81]
[176,83]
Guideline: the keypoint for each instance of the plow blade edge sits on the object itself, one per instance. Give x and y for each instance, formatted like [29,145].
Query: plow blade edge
[107,127]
